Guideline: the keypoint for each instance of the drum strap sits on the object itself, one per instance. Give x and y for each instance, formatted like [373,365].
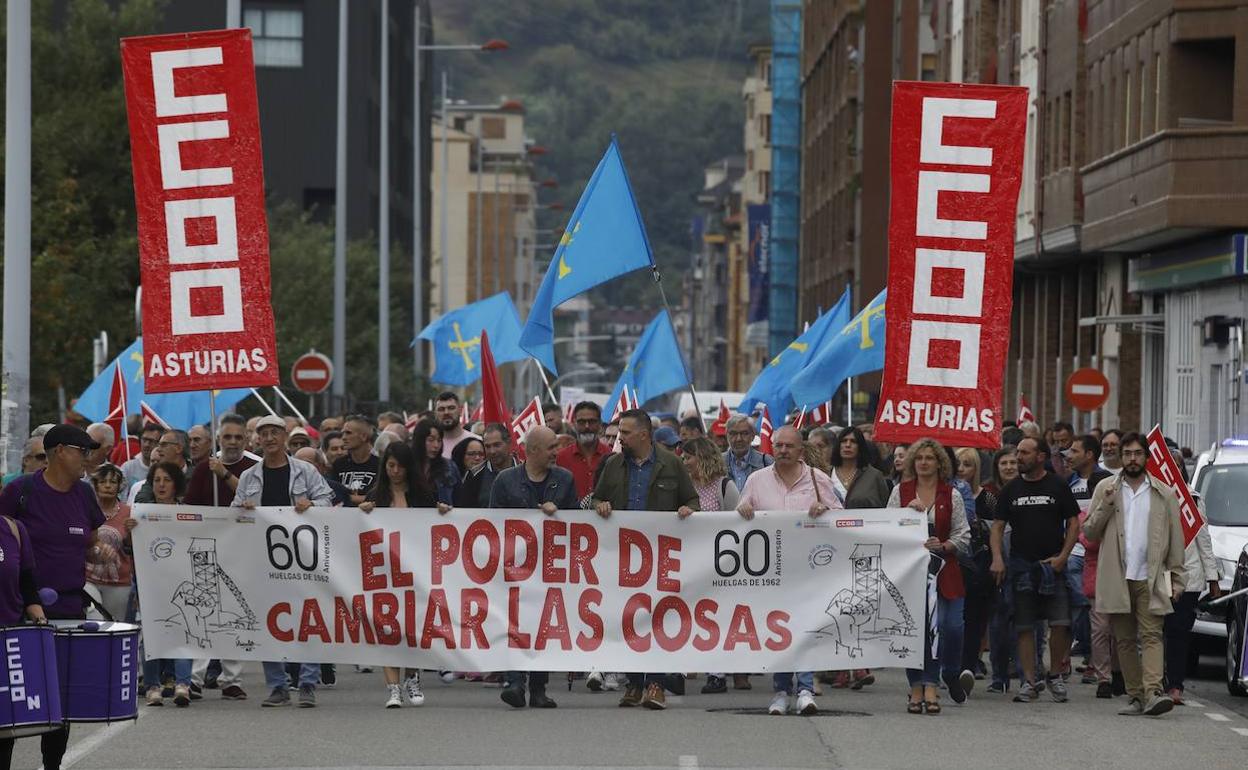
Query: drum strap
[13,528]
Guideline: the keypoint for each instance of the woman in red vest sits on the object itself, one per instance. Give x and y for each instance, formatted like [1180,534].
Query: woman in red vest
[925,487]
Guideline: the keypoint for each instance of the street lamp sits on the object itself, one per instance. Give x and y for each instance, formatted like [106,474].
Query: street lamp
[492,45]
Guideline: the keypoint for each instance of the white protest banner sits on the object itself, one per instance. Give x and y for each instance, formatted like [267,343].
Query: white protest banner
[496,590]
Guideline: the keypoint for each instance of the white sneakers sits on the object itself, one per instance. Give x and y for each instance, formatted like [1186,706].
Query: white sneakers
[612,682]
[779,705]
[806,705]
[396,697]
[594,681]
[447,676]
[410,688]
[415,697]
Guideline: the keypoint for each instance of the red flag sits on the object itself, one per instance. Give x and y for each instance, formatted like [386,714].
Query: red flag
[150,417]
[530,417]
[493,402]
[764,432]
[116,418]
[956,166]
[463,415]
[622,404]
[199,195]
[410,421]
[567,412]
[478,414]
[720,426]
[1161,465]
[1024,410]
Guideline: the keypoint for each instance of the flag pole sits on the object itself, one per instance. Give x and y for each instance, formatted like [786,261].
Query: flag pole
[658,279]
[288,403]
[212,446]
[849,401]
[263,403]
[545,380]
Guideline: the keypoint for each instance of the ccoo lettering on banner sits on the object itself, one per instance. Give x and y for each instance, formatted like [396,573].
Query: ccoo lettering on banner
[957,153]
[1162,466]
[199,195]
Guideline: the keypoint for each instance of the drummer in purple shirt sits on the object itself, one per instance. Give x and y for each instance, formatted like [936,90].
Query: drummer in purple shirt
[58,516]
[19,597]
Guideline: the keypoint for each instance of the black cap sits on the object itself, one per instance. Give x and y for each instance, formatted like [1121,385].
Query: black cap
[68,435]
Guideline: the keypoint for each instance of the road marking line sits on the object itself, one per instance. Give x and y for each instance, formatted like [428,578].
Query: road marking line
[1241,730]
[1193,704]
[1215,716]
[688,761]
[98,739]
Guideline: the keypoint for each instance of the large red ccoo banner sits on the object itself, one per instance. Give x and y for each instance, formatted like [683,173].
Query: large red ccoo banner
[957,159]
[199,192]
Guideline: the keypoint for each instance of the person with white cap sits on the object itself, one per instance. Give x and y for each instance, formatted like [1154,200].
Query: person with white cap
[282,481]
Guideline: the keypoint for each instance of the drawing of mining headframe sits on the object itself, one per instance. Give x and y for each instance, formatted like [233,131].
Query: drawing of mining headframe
[872,609]
[201,611]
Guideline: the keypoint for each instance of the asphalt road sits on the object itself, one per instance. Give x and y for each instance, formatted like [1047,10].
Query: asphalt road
[464,725]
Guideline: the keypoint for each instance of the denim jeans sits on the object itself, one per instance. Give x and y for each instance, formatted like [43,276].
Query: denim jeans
[949,649]
[1080,622]
[181,671]
[1003,641]
[783,682]
[275,674]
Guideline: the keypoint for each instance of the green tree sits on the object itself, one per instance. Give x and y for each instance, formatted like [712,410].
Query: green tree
[84,265]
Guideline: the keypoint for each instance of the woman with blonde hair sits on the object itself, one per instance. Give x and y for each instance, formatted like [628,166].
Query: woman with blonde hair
[925,488]
[705,463]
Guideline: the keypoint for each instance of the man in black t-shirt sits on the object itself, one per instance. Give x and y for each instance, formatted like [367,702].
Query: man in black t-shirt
[357,469]
[1044,518]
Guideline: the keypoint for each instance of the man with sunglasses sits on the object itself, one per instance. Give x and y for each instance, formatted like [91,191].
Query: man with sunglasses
[61,515]
[584,457]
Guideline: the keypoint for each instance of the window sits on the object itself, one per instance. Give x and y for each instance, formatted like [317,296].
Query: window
[764,127]
[764,182]
[277,35]
[493,128]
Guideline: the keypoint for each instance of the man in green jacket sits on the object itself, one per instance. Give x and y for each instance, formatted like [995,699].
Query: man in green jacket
[644,477]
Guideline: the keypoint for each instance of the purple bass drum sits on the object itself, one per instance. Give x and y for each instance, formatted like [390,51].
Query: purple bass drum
[30,698]
[98,667]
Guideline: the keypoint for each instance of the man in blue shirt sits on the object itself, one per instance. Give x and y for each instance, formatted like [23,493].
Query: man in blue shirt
[644,477]
[741,458]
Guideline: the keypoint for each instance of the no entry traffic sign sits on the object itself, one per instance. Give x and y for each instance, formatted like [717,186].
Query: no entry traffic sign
[1087,389]
[312,373]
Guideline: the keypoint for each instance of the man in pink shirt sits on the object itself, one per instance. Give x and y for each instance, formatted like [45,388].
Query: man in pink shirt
[789,485]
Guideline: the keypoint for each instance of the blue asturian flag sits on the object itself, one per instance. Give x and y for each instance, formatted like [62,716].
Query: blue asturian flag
[656,365]
[771,387]
[605,238]
[181,410]
[456,339]
[856,349]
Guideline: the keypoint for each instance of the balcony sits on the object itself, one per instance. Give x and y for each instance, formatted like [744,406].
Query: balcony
[1173,185]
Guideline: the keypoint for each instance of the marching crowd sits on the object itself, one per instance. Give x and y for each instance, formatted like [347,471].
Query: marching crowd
[1055,541]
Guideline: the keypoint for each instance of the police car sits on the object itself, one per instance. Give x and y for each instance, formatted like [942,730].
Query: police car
[1221,478]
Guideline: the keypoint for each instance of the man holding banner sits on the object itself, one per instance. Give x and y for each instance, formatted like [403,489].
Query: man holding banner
[789,485]
[280,480]
[541,484]
[1140,571]
[643,477]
